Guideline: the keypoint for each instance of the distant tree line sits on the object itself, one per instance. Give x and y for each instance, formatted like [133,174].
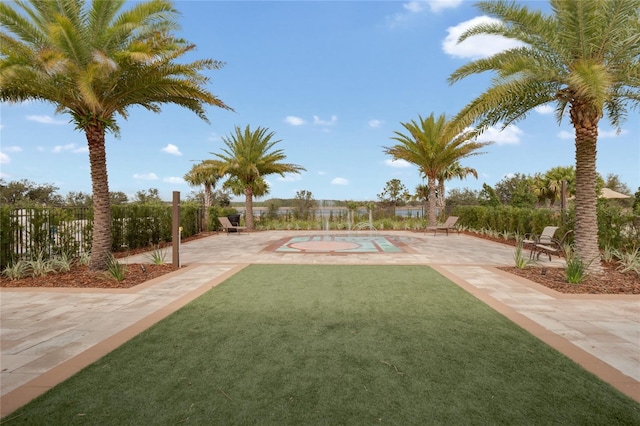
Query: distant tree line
[25,193]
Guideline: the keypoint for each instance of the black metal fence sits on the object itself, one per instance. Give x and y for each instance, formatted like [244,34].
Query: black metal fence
[28,232]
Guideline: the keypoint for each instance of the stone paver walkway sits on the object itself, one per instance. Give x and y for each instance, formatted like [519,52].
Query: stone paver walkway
[49,334]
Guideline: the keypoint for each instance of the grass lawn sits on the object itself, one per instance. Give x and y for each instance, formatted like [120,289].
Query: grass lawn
[346,345]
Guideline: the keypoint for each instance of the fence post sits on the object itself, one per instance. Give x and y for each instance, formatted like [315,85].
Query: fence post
[175,229]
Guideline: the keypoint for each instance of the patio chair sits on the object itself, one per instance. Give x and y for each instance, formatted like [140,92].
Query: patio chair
[227,226]
[530,240]
[554,246]
[449,224]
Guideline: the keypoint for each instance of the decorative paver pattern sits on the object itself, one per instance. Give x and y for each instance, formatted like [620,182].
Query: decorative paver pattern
[338,244]
[48,334]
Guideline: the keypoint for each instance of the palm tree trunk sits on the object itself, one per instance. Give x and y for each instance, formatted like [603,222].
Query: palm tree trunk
[586,225]
[248,213]
[101,238]
[207,204]
[442,205]
[431,182]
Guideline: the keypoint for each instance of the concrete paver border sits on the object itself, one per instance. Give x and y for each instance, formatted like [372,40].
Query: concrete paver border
[22,395]
[469,262]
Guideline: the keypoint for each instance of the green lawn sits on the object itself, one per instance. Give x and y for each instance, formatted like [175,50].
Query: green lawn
[331,345]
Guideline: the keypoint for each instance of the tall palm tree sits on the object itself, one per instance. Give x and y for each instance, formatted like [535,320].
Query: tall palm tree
[94,62]
[454,170]
[207,175]
[433,144]
[248,157]
[585,56]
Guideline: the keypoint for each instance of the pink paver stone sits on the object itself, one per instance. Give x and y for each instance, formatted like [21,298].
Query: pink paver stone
[324,245]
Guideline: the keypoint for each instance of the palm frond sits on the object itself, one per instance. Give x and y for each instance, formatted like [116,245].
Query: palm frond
[98,61]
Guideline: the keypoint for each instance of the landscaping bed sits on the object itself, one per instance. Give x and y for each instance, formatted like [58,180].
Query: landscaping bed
[611,282]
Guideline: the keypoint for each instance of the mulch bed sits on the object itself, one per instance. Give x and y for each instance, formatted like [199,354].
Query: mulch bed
[82,277]
[611,282]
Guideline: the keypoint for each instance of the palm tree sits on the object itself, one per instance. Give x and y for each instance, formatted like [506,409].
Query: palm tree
[433,144]
[553,181]
[539,188]
[585,56]
[94,62]
[422,195]
[454,170]
[207,175]
[249,156]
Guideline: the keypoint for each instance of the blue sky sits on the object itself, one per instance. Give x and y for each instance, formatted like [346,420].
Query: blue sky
[333,80]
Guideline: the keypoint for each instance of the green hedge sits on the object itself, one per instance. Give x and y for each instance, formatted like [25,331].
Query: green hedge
[507,218]
[27,232]
[617,228]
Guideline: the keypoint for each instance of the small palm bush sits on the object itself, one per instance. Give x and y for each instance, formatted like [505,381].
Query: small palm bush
[40,266]
[158,256]
[576,271]
[608,253]
[61,263]
[521,260]
[628,261]
[116,269]
[16,270]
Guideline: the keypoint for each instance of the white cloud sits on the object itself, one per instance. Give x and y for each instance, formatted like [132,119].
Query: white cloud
[171,149]
[438,5]
[476,47]
[613,133]
[13,148]
[375,123]
[4,158]
[400,164]
[145,176]
[510,135]
[173,179]
[413,8]
[564,134]
[322,173]
[339,181]
[604,134]
[544,109]
[70,147]
[45,119]
[294,121]
[319,122]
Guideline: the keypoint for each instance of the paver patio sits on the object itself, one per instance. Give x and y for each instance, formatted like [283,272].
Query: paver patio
[49,334]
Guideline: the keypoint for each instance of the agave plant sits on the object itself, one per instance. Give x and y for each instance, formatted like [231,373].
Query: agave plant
[629,261]
[16,270]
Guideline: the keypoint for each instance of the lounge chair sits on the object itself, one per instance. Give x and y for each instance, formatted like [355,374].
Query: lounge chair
[531,240]
[228,226]
[449,224]
[554,246]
